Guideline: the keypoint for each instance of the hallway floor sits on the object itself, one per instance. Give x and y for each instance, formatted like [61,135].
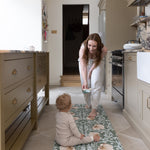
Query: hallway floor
[43,137]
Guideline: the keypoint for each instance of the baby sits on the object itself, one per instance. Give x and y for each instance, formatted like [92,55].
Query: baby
[67,133]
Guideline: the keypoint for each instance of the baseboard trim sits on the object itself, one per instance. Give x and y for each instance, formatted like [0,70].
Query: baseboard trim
[137,127]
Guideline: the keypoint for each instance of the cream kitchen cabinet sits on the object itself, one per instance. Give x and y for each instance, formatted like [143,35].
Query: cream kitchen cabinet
[137,98]
[144,101]
[18,95]
[130,82]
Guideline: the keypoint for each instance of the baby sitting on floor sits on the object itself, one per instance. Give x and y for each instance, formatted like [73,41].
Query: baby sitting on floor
[67,133]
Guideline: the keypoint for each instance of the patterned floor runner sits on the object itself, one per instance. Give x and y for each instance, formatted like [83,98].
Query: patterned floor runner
[101,124]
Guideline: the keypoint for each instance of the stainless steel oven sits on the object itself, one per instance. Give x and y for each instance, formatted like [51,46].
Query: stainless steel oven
[117,61]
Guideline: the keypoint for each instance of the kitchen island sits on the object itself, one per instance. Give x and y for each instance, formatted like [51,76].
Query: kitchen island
[24,90]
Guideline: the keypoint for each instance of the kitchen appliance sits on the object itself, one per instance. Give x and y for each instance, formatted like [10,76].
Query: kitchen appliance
[117,61]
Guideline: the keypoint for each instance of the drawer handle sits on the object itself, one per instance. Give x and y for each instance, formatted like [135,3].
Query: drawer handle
[14,101]
[130,58]
[28,90]
[14,72]
[28,68]
[148,105]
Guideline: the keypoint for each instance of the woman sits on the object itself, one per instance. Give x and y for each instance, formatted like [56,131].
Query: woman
[91,67]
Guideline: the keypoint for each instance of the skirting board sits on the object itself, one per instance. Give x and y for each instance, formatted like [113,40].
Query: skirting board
[136,126]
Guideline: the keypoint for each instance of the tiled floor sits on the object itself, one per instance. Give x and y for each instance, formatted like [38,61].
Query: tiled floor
[43,137]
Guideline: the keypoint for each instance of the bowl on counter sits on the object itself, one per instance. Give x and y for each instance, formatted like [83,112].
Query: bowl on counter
[132,44]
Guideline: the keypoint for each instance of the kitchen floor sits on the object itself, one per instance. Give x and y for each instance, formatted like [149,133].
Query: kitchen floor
[43,137]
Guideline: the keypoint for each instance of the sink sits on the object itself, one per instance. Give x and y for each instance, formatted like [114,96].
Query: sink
[143,66]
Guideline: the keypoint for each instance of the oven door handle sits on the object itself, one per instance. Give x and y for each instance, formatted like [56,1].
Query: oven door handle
[116,57]
[116,64]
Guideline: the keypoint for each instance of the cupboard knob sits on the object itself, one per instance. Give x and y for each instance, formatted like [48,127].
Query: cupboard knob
[14,72]
[14,101]
[129,58]
[28,90]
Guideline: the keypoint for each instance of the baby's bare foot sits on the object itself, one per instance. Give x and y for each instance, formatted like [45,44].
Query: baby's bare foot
[96,137]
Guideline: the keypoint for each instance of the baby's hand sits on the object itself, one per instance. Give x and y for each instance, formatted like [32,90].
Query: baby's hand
[96,137]
[81,137]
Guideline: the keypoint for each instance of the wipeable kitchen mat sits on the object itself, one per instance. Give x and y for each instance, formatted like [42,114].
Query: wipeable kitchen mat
[101,124]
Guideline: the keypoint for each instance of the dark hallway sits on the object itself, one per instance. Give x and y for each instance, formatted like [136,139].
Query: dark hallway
[75,30]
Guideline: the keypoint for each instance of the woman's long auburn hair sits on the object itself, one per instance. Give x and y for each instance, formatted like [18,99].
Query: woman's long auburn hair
[94,37]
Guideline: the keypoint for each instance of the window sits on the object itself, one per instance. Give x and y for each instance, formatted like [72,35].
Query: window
[85,15]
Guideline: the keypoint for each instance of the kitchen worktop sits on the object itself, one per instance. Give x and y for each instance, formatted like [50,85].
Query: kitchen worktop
[19,51]
[131,51]
[135,50]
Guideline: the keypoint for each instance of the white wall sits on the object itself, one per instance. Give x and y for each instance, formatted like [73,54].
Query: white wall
[20,24]
[55,40]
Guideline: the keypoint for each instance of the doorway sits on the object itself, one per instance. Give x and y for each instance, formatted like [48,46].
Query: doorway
[75,31]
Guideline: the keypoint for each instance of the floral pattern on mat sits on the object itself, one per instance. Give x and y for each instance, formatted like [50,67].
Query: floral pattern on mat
[101,125]
[67,148]
[105,147]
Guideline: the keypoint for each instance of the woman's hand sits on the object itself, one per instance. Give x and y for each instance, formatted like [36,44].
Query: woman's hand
[104,52]
[85,85]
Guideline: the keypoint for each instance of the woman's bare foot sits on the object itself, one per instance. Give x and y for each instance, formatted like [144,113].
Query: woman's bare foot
[87,106]
[93,113]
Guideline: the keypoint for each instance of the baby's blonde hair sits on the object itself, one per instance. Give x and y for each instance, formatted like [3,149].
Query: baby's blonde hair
[63,101]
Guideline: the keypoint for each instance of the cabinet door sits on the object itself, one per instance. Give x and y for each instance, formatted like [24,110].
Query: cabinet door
[144,98]
[146,110]
[131,101]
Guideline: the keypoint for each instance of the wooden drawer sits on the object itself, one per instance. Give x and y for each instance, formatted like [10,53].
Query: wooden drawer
[130,57]
[14,99]
[16,70]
